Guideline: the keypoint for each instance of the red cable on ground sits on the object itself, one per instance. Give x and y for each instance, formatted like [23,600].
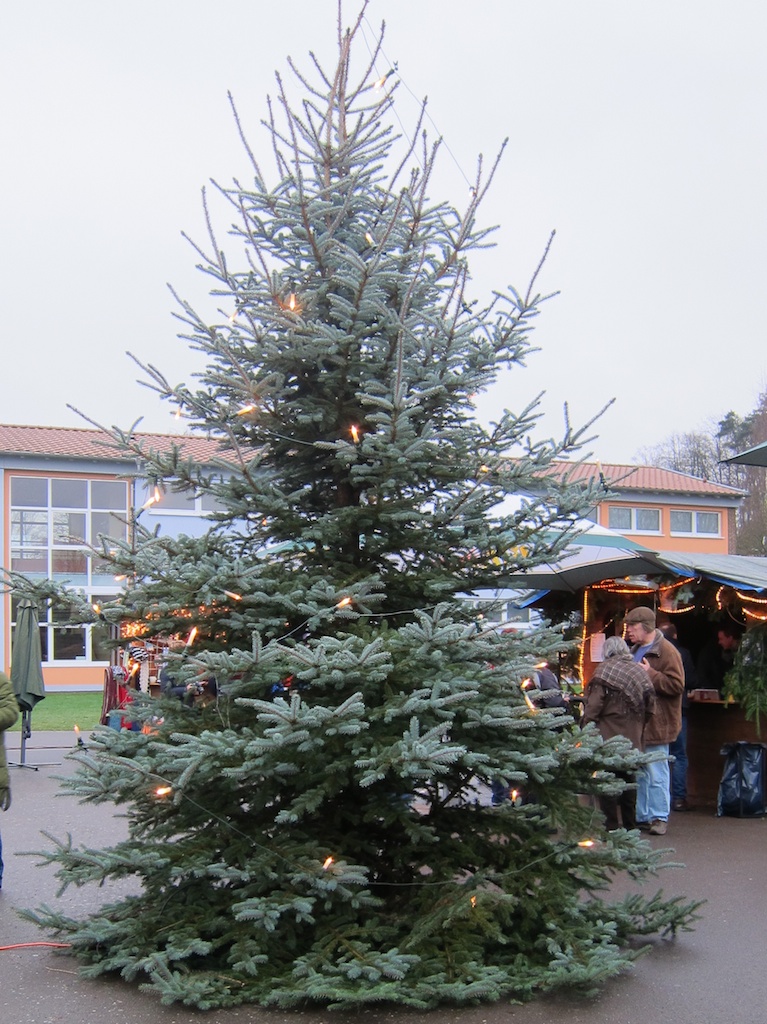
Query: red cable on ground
[24,945]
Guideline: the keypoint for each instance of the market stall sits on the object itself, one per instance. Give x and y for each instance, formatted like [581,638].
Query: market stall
[700,595]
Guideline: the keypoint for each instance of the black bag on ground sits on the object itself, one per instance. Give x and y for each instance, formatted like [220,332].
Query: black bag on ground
[741,791]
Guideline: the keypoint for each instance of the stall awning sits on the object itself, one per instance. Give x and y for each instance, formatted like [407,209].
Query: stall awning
[749,572]
[756,456]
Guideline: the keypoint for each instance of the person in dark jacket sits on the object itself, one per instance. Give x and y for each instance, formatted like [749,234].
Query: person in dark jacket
[9,712]
[663,665]
[678,748]
[620,699]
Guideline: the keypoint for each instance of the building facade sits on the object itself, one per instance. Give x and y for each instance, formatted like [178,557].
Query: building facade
[62,490]
[661,509]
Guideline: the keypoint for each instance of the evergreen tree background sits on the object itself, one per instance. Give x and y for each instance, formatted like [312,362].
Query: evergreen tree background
[319,832]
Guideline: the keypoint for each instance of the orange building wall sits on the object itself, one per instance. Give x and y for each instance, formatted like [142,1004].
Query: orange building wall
[664,541]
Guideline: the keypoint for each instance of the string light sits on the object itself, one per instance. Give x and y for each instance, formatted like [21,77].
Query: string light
[162,791]
[247,409]
[232,595]
[751,598]
[327,863]
[675,586]
[586,844]
[523,686]
[369,238]
[344,602]
[192,635]
[756,616]
[355,432]
[582,648]
[384,78]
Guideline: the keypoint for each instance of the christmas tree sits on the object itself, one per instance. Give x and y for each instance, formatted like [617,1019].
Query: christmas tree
[320,831]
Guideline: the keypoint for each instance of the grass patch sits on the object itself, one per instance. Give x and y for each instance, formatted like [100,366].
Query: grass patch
[61,712]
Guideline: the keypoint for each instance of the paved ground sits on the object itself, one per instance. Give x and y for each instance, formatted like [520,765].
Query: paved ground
[715,974]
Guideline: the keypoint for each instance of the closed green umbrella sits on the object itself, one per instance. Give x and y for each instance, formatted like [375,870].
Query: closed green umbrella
[26,667]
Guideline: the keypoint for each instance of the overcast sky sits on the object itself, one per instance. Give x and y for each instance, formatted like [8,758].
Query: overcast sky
[637,132]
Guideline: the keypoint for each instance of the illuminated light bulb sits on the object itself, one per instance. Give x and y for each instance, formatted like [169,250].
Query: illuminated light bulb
[292,301]
[134,670]
[177,413]
[523,687]
[369,238]
[586,843]
[473,901]
[355,432]
[233,316]
[484,469]
[344,602]
[163,790]
[383,79]
[327,863]
[96,608]
[232,595]
[246,409]
[151,500]
[541,664]
[192,635]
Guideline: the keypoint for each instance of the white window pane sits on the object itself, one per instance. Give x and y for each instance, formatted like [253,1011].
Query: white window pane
[29,528]
[619,518]
[29,490]
[68,528]
[69,493]
[182,500]
[68,643]
[707,522]
[109,494]
[681,522]
[648,519]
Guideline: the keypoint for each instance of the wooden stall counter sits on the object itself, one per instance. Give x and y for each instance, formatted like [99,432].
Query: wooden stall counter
[712,722]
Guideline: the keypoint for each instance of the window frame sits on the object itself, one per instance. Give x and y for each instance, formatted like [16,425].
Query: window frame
[94,584]
[633,528]
[694,531]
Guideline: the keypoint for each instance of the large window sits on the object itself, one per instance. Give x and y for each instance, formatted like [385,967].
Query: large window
[54,523]
[625,519]
[685,522]
[184,502]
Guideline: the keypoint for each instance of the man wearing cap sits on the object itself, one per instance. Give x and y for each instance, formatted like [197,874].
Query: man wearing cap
[663,665]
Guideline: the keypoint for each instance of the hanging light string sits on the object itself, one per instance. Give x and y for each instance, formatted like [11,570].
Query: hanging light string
[165,787]
[394,69]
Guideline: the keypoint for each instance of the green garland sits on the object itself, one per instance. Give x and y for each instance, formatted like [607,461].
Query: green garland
[746,682]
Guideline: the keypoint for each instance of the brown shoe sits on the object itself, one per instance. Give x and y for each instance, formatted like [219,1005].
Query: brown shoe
[680,805]
[658,827]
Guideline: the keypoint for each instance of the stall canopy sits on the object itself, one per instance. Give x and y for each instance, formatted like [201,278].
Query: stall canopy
[748,572]
[756,456]
[596,554]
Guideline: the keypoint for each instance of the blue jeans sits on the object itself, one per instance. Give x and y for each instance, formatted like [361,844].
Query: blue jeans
[678,749]
[653,794]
